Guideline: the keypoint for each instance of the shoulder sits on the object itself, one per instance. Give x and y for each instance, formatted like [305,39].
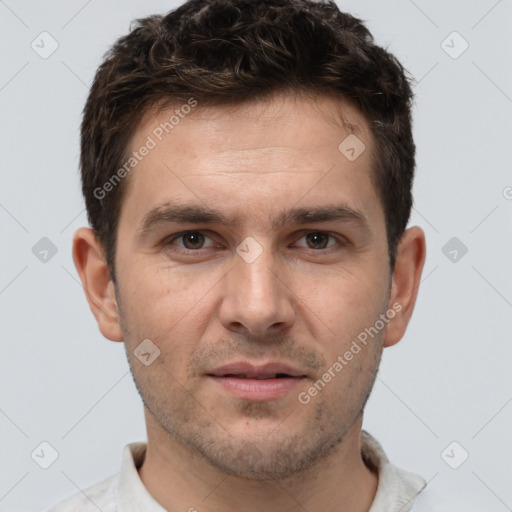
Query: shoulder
[97,497]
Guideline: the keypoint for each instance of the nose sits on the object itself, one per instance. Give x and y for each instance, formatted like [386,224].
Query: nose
[256,300]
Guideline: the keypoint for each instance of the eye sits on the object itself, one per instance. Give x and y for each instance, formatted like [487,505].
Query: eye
[319,240]
[192,240]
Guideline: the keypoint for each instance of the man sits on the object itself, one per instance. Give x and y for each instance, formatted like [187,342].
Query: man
[247,171]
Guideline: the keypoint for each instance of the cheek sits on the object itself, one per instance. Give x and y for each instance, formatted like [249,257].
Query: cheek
[164,295]
[171,310]
[346,301]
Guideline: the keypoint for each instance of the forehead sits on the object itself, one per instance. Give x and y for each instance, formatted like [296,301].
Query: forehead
[266,151]
[313,110]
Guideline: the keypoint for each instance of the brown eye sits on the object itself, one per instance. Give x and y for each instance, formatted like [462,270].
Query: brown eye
[317,240]
[193,240]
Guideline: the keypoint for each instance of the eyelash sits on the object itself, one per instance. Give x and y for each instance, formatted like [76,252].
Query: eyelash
[169,241]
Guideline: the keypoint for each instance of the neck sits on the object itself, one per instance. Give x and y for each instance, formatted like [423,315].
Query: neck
[181,480]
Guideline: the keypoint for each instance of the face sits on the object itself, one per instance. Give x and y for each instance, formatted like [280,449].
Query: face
[252,254]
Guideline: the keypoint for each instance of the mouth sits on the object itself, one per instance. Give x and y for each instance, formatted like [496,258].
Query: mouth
[257,383]
[247,370]
[257,376]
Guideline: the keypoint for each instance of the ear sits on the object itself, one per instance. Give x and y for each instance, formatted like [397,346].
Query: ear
[92,268]
[410,259]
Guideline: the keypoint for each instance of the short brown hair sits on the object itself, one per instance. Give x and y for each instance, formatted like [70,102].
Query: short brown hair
[224,52]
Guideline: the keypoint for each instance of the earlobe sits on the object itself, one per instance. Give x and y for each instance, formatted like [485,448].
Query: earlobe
[410,259]
[92,268]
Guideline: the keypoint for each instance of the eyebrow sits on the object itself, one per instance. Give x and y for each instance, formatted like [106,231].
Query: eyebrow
[168,213]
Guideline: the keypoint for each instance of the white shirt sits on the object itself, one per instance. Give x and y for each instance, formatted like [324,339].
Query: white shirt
[124,492]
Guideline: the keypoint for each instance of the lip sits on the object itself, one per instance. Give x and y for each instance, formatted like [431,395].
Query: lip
[258,390]
[254,388]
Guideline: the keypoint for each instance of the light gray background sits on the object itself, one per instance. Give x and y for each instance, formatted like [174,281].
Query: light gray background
[448,380]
